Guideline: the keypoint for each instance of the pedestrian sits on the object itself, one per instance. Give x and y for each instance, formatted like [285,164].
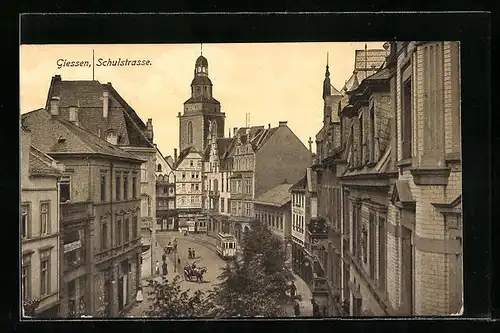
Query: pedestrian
[179,263]
[296,309]
[165,268]
[190,254]
[194,255]
[315,308]
[164,257]
[157,266]
[293,289]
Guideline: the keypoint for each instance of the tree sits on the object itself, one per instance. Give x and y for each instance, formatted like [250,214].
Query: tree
[170,301]
[256,283]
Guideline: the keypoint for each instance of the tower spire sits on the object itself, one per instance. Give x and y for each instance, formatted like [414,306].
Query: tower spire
[201,48]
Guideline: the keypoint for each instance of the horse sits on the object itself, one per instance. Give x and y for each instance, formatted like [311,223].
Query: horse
[198,272]
[188,273]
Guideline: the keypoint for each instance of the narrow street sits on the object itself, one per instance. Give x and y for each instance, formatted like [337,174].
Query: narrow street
[206,256]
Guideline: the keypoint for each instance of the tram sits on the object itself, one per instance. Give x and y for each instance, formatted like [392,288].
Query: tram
[226,245]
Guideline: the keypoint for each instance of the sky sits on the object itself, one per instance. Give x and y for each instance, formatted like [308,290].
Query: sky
[271,81]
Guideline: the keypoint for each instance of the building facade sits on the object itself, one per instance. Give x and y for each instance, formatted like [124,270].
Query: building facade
[304,207]
[216,173]
[188,183]
[166,215]
[100,109]
[40,240]
[273,209]
[99,196]
[261,159]
[394,153]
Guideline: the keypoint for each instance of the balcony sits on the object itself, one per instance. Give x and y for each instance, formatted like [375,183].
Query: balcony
[75,211]
[318,228]
[213,194]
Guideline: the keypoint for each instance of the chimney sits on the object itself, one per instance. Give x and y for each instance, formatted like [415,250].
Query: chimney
[235,129]
[57,77]
[54,107]
[178,114]
[73,114]
[268,126]
[283,123]
[229,134]
[105,104]
[149,129]
[175,155]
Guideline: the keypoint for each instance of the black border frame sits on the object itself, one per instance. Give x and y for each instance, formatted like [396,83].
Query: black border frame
[472,29]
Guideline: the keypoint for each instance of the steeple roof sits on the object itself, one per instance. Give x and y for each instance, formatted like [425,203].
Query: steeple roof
[201,61]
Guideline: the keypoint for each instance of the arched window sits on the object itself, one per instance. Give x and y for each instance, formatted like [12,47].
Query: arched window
[159,168]
[214,126]
[111,137]
[190,133]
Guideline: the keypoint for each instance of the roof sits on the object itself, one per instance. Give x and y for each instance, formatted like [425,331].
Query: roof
[42,164]
[375,58]
[300,185]
[223,145]
[167,160]
[59,136]
[368,59]
[183,154]
[307,183]
[201,61]
[87,95]
[276,196]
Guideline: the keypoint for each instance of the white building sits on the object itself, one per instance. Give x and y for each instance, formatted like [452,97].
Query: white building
[188,185]
[40,241]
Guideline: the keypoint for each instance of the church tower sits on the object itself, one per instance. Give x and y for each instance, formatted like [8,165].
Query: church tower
[201,111]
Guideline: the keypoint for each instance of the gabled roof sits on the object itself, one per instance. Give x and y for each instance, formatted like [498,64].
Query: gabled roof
[223,145]
[257,136]
[42,164]
[334,91]
[59,136]
[402,192]
[167,160]
[276,196]
[183,154]
[87,96]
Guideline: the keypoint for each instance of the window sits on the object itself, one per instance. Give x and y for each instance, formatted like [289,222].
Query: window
[222,205]
[103,187]
[364,243]
[126,228]
[26,277]
[104,235]
[192,188]
[44,273]
[158,169]
[406,122]
[361,141]
[134,227]
[118,186]
[247,209]
[25,221]
[372,135]
[118,234]
[125,187]
[191,164]
[190,132]
[197,187]
[144,173]
[372,240]
[65,189]
[248,186]
[111,137]
[134,187]
[382,253]
[44,218]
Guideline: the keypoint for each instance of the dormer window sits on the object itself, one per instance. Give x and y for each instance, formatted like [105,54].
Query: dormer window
[112,138]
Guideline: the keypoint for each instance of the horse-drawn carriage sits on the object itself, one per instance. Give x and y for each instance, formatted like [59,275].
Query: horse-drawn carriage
[194,273]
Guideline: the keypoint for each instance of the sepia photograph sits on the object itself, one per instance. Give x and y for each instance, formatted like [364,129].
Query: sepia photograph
[240,180]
